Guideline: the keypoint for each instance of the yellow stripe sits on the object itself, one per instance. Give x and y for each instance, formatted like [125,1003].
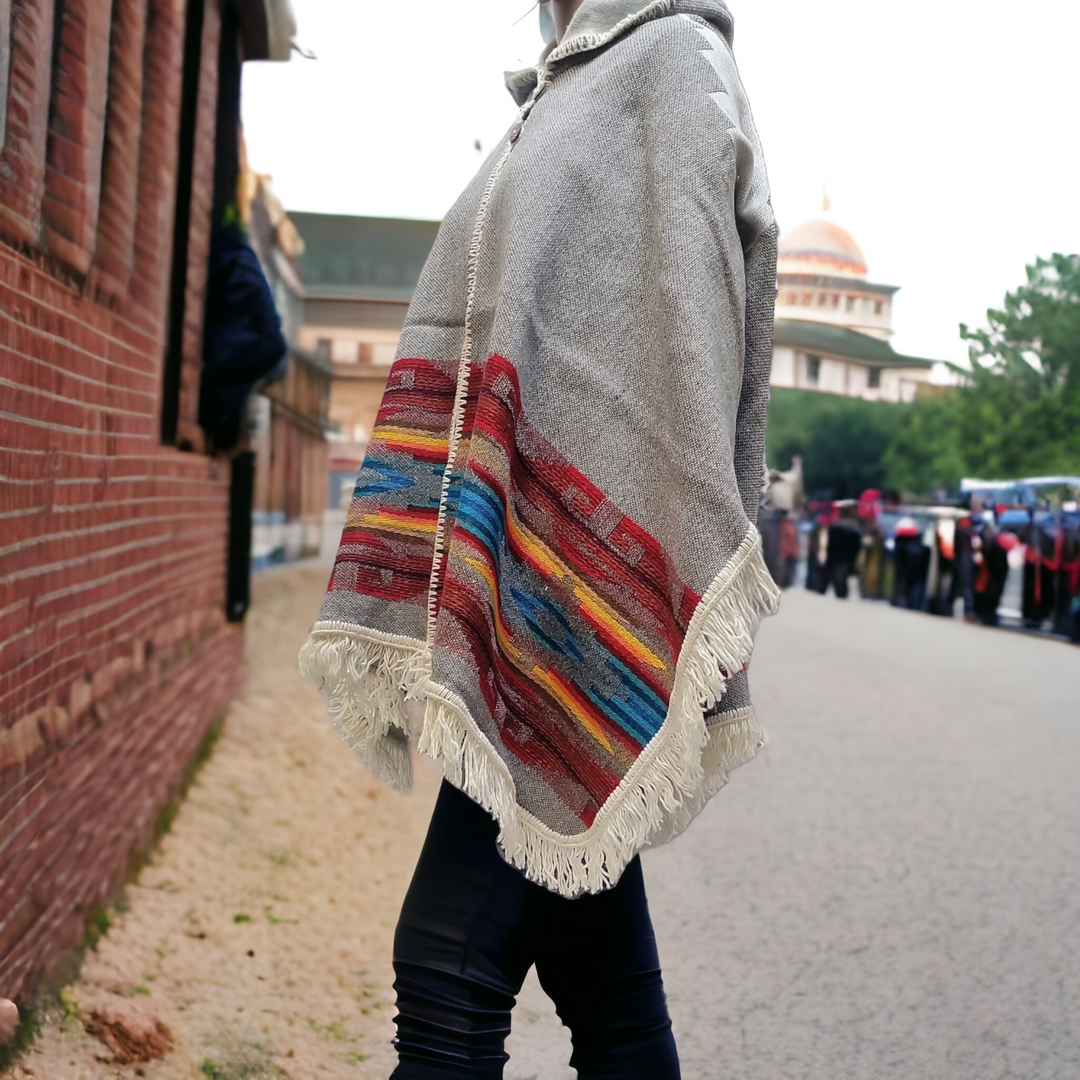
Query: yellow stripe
[600,612]
[571,706]
[501,633]
[588,599]
[406,438]
[538,674]
[549,564]
[392,524]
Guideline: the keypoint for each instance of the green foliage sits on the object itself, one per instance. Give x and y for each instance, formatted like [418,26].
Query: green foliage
[334,1030]
[25,1034]
[244,1065]
[1019,412]
[98,925]
[842,440]
[69,1005]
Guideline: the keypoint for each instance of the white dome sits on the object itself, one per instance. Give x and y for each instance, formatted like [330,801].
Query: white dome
[820,247]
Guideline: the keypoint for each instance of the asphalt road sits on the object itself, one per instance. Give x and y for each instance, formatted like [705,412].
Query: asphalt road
[892,889]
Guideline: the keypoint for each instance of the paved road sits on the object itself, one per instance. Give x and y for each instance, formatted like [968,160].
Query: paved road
[892,890]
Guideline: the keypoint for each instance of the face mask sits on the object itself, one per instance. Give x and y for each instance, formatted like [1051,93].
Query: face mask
[547,24]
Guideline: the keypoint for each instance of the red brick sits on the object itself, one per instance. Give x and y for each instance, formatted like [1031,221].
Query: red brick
[77,132]
[22,175]
[115,254]
[114,652]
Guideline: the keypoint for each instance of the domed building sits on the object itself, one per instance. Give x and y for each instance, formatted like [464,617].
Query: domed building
[833,324]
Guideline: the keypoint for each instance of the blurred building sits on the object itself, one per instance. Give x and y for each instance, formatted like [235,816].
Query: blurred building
[359,274]
[833,323]
[116,523]
[290,418]
[832,334]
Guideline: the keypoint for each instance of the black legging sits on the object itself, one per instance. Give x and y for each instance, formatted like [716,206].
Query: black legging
[470,929]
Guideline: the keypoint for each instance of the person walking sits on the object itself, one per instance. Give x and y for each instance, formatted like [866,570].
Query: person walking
[550,571]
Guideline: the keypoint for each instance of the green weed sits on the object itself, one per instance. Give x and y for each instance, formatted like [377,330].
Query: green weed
[22,1040]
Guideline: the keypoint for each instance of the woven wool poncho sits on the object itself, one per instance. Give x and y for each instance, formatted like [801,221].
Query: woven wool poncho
[550,566]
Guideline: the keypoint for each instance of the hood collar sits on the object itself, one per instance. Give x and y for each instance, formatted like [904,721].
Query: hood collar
[599,22]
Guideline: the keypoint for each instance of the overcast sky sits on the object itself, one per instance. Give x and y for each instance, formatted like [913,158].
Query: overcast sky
[947,131]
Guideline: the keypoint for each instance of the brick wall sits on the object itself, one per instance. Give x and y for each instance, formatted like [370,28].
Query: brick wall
[114,653]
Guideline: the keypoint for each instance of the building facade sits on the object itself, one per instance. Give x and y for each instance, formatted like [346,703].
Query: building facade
[832,334]
[116,649]
[289,419]
[359,275]
[833,324]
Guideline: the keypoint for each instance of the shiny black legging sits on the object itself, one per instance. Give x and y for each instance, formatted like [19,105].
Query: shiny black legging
[470,929]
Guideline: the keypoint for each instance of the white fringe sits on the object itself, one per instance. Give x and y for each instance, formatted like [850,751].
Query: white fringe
[732,741]
[366,678]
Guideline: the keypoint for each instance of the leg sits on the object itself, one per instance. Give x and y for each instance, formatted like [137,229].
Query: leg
[841,571]
[597,961]
[461,950]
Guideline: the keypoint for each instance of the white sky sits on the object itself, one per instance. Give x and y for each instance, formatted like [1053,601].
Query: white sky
[948,132]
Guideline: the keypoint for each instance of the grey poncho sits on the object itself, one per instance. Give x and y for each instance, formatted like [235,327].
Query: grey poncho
[550,567]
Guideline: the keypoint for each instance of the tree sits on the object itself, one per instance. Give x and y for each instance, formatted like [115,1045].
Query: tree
[842,439]
[1019,412]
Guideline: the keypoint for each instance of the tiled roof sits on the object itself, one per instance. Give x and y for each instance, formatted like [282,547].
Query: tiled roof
[362,258]
[829,340]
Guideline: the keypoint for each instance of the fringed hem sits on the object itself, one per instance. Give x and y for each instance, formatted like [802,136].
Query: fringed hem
[364,677]
[732,741]
[674,776]
[685,763]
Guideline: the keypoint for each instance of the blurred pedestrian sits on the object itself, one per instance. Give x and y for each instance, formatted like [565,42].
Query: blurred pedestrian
[551,564]
[1068,621]
[1045,546]
[912,559]
[871,562]
[817,557]
[786,488]
[965,544]
[845,543]
[941,585]
[990,549]
[789,551]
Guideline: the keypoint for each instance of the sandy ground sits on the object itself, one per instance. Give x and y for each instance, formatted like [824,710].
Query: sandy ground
[891,891]
[260,934]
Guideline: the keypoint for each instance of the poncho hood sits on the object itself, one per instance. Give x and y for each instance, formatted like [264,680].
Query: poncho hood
[550,572]
[598,23]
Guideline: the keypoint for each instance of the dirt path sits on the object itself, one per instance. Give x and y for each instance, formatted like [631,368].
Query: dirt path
[260,934]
